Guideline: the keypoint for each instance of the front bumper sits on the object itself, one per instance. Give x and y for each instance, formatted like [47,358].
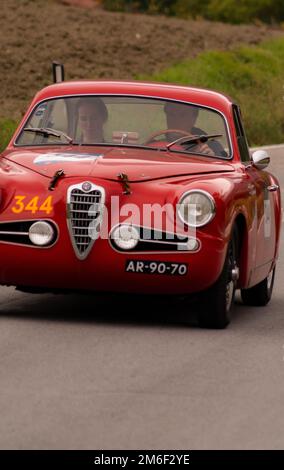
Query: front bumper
[57,267]
[103,269]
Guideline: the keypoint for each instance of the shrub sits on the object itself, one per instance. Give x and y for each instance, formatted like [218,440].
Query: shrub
[232,11]
[7,128]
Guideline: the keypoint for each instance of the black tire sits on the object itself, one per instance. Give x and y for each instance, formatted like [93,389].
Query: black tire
[260,294]
[216,303]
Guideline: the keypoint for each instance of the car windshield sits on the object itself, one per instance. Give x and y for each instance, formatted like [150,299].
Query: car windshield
[127,121]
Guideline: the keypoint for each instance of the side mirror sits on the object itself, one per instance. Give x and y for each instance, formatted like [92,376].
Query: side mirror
[260,159]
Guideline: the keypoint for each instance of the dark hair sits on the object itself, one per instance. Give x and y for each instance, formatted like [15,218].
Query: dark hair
[96,103]
[170,105]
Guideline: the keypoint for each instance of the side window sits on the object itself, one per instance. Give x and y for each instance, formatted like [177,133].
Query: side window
[241,137]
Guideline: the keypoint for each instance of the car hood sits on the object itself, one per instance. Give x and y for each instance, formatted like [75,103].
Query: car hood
[106,163]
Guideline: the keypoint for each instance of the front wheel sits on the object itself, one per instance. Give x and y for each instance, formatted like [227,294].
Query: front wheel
[260,294]
[216,303]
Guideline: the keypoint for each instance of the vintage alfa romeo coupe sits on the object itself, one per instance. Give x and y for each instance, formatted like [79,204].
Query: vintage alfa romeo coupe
[138,188]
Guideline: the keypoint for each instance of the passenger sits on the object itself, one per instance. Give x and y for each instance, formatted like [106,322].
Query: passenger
[92,115]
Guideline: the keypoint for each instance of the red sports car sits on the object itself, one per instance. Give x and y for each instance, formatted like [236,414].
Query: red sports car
[138,188]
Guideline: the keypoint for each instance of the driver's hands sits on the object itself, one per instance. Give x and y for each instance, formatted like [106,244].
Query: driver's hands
[205,149]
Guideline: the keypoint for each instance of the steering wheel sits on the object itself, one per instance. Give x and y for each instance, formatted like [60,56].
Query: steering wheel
[165,132]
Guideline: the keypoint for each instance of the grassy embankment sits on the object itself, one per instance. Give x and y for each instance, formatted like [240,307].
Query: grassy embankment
[253,76]
[7,127]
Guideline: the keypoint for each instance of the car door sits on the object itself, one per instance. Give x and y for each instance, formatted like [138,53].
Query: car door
[259,186]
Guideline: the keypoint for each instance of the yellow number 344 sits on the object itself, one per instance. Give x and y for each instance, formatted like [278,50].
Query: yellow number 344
[32,205]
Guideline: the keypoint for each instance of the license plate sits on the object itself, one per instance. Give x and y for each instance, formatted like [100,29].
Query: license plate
[156,267]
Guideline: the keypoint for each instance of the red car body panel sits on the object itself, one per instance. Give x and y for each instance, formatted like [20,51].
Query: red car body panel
[236,188]
[138,165]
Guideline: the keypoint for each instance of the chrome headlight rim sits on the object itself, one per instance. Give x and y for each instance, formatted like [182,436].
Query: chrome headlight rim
[117,241]
[212,203]
[47,243]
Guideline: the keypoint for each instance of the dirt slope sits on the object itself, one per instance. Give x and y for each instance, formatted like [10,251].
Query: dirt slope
[93,43]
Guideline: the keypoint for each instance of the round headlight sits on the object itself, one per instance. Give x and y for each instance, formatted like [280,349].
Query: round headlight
[125,237]
[196,208]
[41,233]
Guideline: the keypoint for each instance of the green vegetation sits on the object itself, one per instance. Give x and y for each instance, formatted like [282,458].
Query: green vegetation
[232,11]
[253,76]
[7,128]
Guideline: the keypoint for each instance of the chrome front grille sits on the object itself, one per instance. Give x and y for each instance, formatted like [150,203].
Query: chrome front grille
[84,215]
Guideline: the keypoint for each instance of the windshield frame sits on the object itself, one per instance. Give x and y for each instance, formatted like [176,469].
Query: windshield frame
[108,144]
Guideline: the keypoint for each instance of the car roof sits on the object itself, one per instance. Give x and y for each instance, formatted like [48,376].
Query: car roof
[200,96]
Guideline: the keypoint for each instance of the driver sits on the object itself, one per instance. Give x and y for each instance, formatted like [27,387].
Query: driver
[183,117]
[92,114]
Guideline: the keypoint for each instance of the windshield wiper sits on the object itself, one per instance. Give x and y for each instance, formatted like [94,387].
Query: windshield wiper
[112,144]
[46,131]
[192,139]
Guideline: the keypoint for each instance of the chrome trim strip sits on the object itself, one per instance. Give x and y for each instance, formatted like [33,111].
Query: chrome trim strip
[154,241]
[3,232]
[273,187]
[27,245]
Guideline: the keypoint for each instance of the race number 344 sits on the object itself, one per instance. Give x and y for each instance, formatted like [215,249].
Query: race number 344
[34,205]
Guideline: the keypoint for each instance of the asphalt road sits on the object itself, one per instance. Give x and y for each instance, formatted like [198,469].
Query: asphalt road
[74,376]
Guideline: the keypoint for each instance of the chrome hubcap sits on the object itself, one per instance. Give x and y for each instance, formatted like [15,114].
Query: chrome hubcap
[235,273]
[233,276]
